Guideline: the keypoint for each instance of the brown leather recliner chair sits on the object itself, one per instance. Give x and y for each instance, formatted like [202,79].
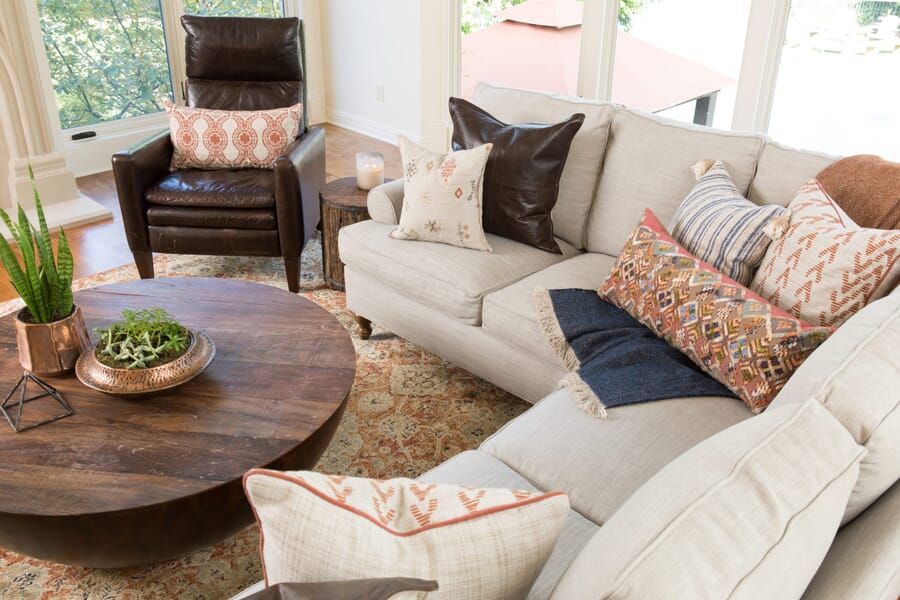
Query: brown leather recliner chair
[233,64]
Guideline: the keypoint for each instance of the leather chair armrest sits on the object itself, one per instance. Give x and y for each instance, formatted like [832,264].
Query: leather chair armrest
[299,175]
[136,170]
[385,202]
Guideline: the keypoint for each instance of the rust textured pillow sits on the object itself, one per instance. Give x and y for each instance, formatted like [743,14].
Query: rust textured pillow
[230,139]
[736,336]
[867,187]
[521,180]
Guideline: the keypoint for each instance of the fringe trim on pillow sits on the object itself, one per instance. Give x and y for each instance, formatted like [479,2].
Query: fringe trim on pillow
[701,167]
[585,397]
[777,226]
[550,326]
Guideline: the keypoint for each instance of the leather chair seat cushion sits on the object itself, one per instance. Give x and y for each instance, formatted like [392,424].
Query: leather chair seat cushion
[234,218]
[239,188]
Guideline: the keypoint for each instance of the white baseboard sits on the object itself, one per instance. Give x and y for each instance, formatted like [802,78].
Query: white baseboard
[70,213]
[367,126]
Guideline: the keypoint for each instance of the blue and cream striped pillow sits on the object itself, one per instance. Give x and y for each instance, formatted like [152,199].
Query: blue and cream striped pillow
[718,225]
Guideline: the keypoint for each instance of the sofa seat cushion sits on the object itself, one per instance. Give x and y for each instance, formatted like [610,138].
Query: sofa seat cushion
[446,278]
[600,463]
[241,188]
[648,165]
[509,313]
[480,470]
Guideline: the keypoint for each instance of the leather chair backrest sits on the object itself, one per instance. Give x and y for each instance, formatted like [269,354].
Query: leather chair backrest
[238,63]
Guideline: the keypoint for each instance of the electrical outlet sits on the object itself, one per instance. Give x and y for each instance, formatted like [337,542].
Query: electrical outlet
[379,92]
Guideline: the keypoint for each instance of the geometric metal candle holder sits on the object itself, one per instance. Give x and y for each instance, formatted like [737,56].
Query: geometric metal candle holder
[18,404]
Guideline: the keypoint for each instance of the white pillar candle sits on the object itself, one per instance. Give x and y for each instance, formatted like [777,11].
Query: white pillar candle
[369,170]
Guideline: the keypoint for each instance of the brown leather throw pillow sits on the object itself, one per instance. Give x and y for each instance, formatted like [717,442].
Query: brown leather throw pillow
[867,187]
[521,180]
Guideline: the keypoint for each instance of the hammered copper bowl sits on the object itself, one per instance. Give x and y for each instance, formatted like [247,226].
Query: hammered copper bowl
[141,382]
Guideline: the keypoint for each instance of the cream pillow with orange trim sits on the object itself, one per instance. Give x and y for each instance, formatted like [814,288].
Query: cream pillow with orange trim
[476,543]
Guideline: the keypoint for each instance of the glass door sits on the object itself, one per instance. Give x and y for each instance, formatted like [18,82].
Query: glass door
[680,58]
[838,86]
[530,44]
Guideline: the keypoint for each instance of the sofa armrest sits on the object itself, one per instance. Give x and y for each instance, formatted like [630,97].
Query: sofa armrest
[385,202]
[300,170]
[135,170]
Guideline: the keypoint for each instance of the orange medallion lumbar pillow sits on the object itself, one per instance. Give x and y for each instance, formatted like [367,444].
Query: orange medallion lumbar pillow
[826,267]
[476,543]
[230,139]
[740,339]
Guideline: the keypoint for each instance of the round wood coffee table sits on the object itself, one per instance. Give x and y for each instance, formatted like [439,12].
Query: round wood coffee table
[124,481]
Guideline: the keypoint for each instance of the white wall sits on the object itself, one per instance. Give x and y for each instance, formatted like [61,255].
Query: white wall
[367,43]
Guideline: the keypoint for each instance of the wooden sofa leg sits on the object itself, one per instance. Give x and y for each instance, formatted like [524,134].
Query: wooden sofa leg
[365,327]
[144,263]
[292,270]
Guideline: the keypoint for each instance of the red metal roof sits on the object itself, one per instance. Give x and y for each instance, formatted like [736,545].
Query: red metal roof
[537,47]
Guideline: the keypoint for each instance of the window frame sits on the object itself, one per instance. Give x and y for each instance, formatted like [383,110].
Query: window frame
[92,155]
[763,44]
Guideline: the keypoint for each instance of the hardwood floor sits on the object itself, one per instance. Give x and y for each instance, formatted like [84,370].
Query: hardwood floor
[101,246]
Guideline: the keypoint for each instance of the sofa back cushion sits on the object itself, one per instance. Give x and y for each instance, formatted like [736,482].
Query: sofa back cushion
[648,165]
[747,513]
[856,376]
[579,177]
[782,170]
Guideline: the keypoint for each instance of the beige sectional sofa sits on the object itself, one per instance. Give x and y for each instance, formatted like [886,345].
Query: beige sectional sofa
[475,310]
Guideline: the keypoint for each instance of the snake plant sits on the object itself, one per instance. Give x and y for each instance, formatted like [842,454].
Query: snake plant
[43,281]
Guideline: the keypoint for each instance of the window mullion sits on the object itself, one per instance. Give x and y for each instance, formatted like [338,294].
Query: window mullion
[171,14]
[759,67]
[598,49]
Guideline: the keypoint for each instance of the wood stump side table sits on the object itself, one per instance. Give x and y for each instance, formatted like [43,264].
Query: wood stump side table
[343,203]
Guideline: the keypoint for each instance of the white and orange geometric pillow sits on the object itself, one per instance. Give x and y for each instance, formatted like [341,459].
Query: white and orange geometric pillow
[826,267]
[442,196]
[476,543]
[230,139]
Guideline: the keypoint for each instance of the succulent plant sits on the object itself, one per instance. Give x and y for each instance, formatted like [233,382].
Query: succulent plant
[142,339]
[43,282]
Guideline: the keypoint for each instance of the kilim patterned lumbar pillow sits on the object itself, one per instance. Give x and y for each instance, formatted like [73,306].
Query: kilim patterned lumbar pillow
[826,267]
[743,341]
[476,543]
[442,196]
[717,224]
[230,139]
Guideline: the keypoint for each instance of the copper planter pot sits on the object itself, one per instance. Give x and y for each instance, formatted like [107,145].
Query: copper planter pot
[49,349]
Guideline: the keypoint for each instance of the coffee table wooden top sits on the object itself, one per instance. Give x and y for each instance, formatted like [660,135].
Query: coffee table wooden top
[172,463]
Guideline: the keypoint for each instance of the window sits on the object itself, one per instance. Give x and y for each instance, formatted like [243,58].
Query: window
[680,58]
[838,87]
[235,8]
[520,44]
[107,60]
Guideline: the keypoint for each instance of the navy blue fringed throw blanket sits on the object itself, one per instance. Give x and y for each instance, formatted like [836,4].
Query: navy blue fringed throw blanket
[613,359]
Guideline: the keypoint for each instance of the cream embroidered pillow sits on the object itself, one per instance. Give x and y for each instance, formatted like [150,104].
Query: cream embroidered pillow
[442,196]
[826,267]
[230,139]
[476,543]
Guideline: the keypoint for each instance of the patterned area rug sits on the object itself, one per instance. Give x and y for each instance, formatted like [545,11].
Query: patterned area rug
[407,412]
